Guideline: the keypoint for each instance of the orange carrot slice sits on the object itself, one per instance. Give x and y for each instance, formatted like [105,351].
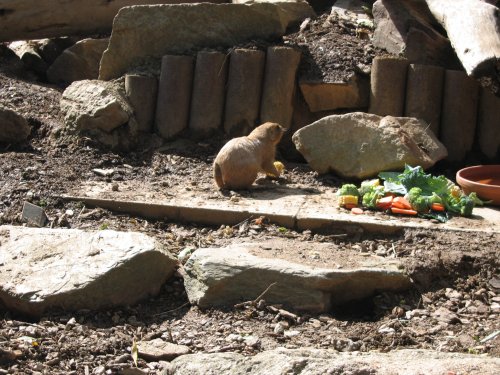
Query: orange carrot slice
[437,207]
[401,202]
[357,211]
[403,211]
[384,203]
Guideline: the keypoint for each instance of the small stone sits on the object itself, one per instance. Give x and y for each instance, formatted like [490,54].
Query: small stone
[103,172]
[252,341]
[279,328]
[386,330]
[452,294]
[446,316]
[158,349]
[398,311]
[70,324]
[34,214]
[291,333]
[233,337]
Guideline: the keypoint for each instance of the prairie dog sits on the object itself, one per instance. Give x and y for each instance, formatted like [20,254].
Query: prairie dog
[241,159]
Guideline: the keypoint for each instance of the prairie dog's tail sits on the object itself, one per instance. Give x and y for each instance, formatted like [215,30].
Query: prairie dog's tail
[218,176]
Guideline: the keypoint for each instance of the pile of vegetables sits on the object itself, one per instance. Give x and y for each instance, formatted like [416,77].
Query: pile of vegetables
[412,192]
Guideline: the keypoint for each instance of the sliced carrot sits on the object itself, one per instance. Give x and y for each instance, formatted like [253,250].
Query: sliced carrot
[403,211]
[401,202]
[350,206]
[437,207]
[384,203]
[357,211]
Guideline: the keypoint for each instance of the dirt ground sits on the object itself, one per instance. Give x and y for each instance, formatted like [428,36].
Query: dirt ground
[454,305]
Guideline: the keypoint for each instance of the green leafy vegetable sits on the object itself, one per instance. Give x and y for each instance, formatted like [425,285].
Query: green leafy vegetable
[414,177]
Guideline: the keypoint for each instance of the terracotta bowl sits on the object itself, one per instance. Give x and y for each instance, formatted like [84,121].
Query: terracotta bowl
[483,179]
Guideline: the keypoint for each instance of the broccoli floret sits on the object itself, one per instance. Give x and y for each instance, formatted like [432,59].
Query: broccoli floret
[370,198]
[419,202]
[348,189]
[466,205]
[413,194]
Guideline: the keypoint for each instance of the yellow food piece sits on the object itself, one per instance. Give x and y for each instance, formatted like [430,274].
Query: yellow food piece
[456,192]
[347,199]
[280,168]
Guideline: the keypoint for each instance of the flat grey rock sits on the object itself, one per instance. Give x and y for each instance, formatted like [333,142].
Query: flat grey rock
[142,32]
[73,269]
[226,276]
[324,361]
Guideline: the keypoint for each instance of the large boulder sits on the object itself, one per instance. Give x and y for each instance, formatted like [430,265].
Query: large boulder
[13,127]
[360,145]
[73,269]
[99,110]
[78,62]
[142,32]
[22,19]
[328,361]
[225,276]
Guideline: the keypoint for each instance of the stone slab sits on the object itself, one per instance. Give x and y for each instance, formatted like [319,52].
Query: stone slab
[327,361]
[222,277]
[73,269]
[296,207]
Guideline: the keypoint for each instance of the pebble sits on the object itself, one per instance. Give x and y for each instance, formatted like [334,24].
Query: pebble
[386,330]
[291,333]
[252,341]
[279,328]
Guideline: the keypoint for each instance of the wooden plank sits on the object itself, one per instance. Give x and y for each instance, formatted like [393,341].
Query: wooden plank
[473,27]
[28,19]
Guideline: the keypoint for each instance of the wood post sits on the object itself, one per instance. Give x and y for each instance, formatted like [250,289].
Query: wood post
[424,89]
[246,69]
[279,84]
[174,95]
[207,102]
[142,93]
[458,120]
[473,28]
[388,86]
[488,124]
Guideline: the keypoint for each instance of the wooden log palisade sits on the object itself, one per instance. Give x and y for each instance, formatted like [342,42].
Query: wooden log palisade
[28,19]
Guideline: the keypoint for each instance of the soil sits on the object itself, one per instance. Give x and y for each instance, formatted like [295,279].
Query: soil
[454,305]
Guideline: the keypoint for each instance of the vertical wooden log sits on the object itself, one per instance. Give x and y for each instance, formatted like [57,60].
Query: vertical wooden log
[174,95]
[388,86]
[279,84]
[488,124]
[246,70]
[458,119]
[424,90]
[142,93]
[207,102]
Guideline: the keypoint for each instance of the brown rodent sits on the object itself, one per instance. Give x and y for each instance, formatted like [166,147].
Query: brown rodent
[241,159]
